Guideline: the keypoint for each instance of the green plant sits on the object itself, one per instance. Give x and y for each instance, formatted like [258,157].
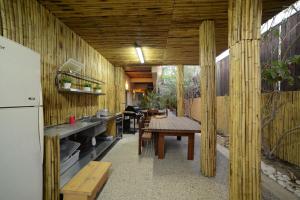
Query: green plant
[66,80]
[150,100]
[279,70]
[87,85]
[97,87]
[167,101]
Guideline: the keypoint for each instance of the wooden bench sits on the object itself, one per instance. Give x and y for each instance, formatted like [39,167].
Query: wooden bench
[87,182]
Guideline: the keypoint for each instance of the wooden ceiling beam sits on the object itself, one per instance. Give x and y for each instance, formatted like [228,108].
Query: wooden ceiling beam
[141,80]
[139,74]
[167,30]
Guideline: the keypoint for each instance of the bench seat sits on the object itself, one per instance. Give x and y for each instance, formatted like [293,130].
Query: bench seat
[87,182]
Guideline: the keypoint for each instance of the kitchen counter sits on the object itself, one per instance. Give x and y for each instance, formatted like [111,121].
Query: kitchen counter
[65,130]
[87,126]
[108,118]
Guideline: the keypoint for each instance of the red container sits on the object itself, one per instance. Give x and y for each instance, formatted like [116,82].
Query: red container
[72,119]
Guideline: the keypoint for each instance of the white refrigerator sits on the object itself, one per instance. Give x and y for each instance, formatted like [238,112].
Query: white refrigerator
[21,123]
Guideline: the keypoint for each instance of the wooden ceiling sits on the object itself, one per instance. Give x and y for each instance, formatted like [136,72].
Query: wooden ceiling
[139,74]
[166,29]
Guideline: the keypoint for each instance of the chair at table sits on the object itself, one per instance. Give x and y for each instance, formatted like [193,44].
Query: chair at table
[150,113]
[144,134]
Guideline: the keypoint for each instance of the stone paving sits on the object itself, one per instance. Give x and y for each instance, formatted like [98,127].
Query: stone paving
[145,177]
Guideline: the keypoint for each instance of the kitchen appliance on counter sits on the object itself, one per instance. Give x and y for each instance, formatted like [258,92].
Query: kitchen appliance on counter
[21,123]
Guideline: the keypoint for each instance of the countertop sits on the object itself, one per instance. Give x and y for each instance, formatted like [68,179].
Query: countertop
[65,130]
[109,117]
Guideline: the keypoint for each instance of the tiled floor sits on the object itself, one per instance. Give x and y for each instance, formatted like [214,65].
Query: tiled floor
[145,177]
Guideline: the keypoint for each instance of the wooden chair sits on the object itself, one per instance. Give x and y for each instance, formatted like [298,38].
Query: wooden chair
[150,113]
[144,134]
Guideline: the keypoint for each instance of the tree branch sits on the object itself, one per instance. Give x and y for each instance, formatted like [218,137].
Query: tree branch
[280,139]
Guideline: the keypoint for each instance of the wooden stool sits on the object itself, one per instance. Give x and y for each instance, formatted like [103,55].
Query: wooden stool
[87,182]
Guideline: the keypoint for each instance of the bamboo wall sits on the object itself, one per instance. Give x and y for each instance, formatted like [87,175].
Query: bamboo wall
[287,118]
[120,80]
[51,173]
[222,77]
[207,55]
[180,90]
[221,116]
[30,24]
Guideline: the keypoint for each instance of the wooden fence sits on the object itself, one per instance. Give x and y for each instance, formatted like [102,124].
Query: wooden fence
[287,118]
[222,112]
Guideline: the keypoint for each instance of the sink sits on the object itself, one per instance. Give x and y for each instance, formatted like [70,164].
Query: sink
[91,119]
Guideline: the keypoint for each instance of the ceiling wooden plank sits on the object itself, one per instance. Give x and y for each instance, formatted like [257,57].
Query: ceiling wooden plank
[166,29]
[141,80]
[139,74]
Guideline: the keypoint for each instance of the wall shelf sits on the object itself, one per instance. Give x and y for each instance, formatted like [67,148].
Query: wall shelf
[79,77]
[77,91]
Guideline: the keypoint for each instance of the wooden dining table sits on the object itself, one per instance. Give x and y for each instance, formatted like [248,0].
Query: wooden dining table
[173,126]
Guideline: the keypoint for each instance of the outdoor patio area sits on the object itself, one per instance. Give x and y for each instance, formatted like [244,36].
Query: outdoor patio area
[150,99]
[136,177]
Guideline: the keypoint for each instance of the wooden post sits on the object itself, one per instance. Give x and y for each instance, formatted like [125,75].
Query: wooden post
[207,50]
[180,90]
[111,128]
[245,89]
[51,171]
[119,89]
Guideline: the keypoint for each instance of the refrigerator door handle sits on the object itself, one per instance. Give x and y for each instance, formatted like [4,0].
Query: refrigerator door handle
[41,132]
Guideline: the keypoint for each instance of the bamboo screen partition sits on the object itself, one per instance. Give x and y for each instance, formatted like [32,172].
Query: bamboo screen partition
[180,90]
[120,80]
[51,168]
[30,24]
[207,54]
[287,118]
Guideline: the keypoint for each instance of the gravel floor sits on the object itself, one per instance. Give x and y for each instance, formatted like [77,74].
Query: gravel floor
[145,177]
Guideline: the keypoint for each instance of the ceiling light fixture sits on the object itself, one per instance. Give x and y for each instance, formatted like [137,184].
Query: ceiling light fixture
[140,54]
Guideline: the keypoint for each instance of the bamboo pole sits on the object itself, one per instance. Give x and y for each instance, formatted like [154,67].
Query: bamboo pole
[180,90]
[207,56]
[244,126]
[51,168]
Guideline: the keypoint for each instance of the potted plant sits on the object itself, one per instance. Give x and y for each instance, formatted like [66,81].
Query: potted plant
[87,87]
[67,82]
[98,88]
